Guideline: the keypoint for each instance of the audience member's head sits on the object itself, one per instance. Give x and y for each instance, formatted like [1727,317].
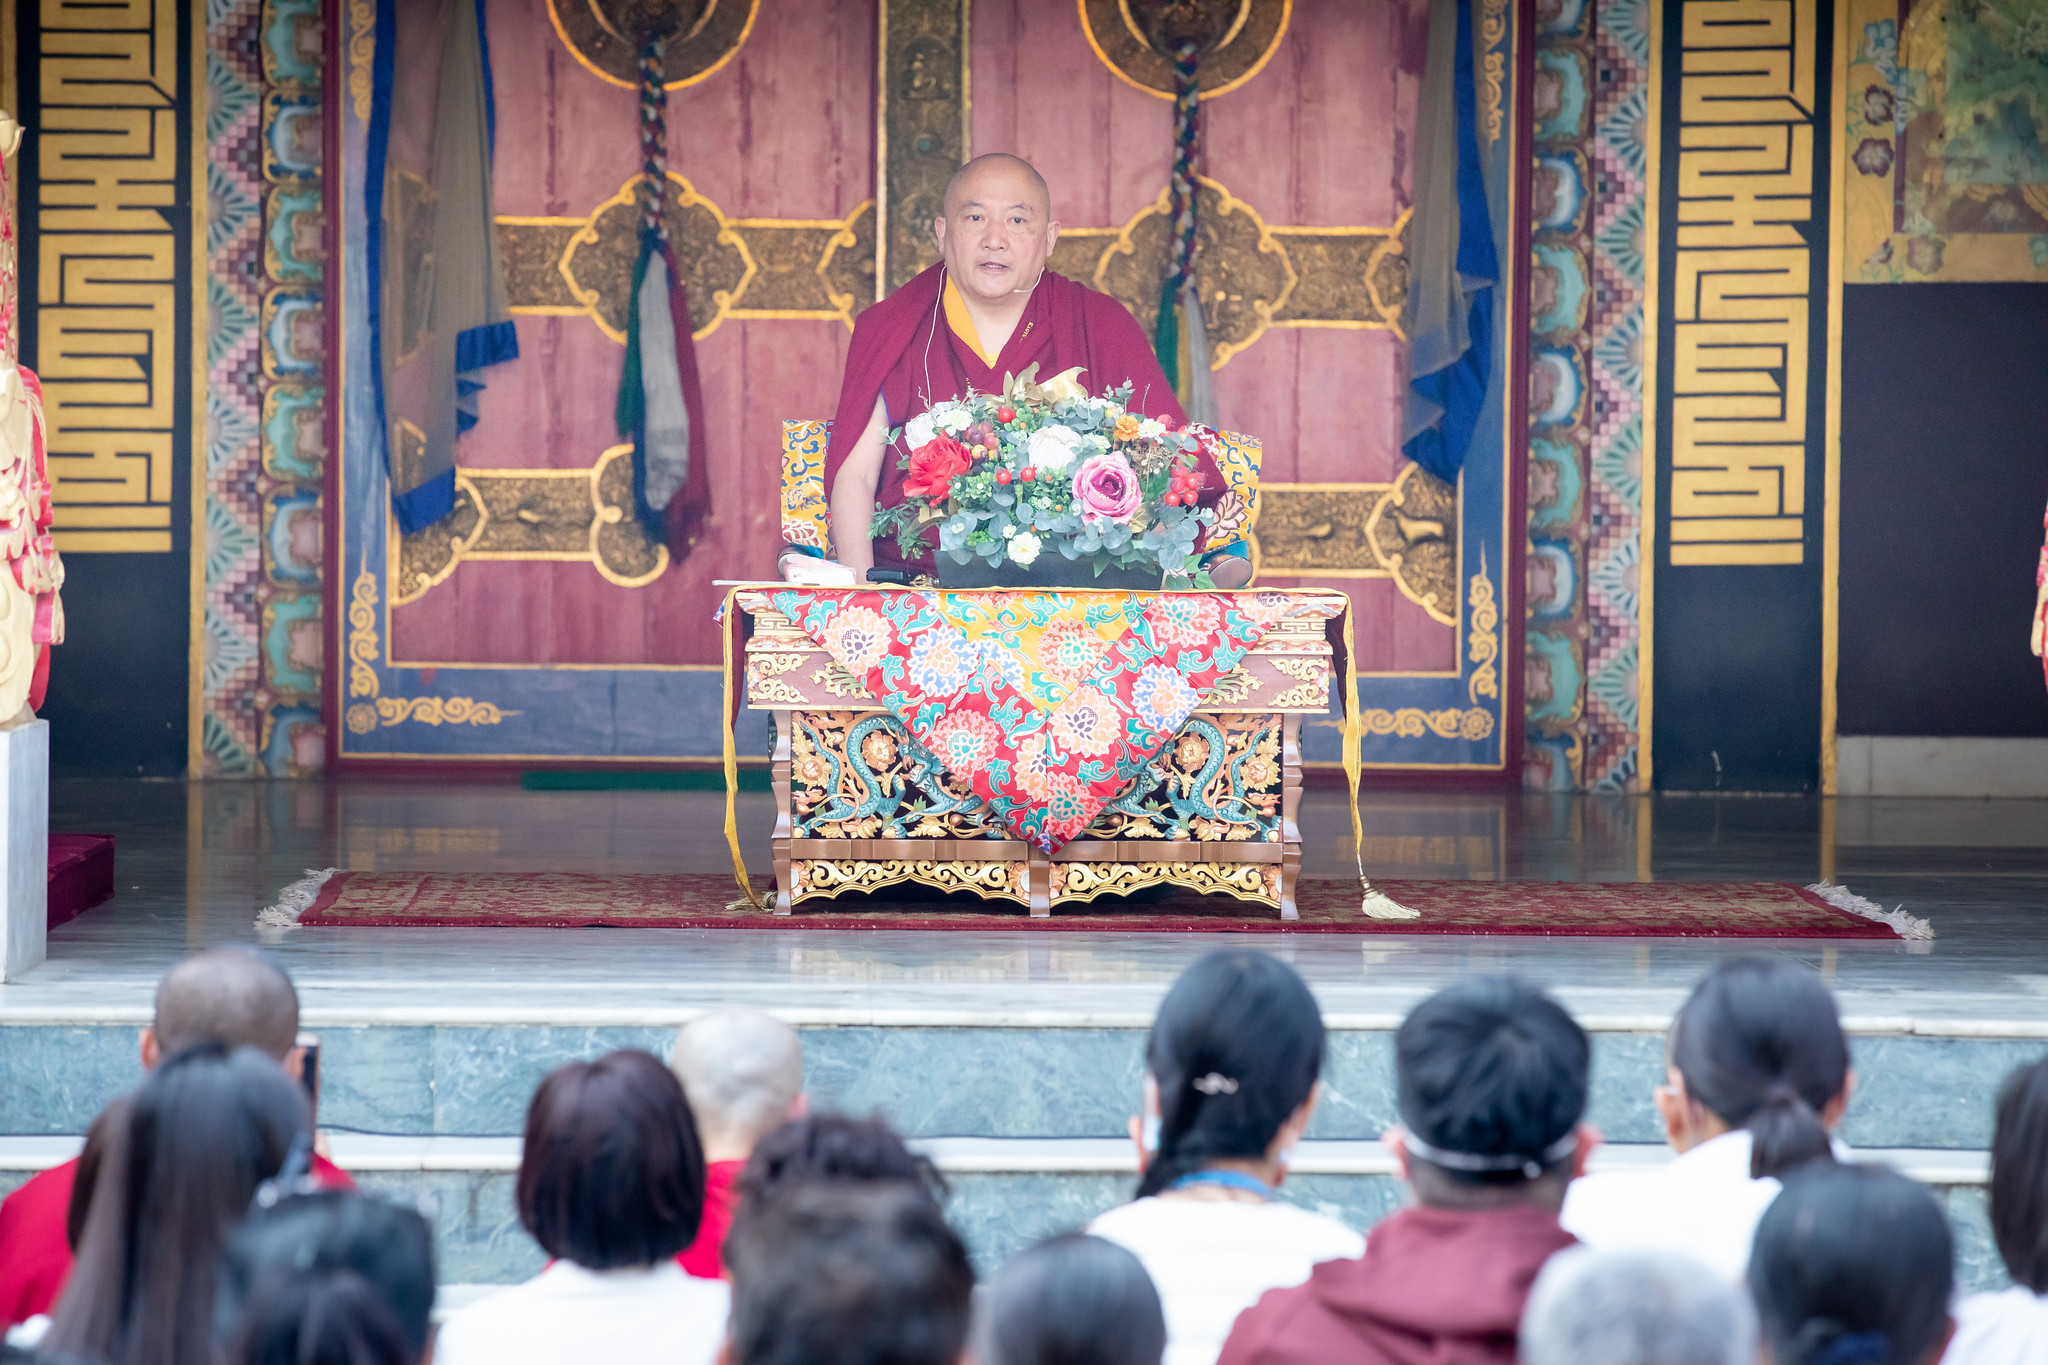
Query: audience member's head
[1635,1307]
[611,1174]
[232,995]
[203,1132]
[1490,1081]
[1853,1265]
[331,1278]
[1233,1061]
[836,1273]
[744,1074]
[1071,1300]
[2019,1177]
[834,1147]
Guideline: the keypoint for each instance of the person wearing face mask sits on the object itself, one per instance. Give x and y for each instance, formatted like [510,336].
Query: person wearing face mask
[988,309]
[1233,1068]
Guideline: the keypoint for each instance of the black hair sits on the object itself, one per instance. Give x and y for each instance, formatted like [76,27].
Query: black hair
[611,1173]
[329,1278]
[1494,1070]
[835,1273]
[1071,1300]
[202,1133]
[2019,1176]
[834,1147]
[1760,1045]
[1237,1047]
[1853,1265]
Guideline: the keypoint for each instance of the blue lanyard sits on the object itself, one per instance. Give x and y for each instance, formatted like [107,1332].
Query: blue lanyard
[1229,1180]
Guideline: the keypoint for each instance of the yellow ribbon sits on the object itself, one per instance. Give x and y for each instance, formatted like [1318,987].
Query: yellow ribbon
[1375,904]
[732,759]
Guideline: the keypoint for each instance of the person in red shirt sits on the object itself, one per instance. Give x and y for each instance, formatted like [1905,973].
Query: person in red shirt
[1490,1081]
[232,995]
[743,1073]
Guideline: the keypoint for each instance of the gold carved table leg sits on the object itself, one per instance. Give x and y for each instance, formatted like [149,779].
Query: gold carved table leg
[784,812]
[1290,809]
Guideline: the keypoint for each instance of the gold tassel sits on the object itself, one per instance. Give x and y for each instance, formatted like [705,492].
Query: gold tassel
[1376,904]
[732,762]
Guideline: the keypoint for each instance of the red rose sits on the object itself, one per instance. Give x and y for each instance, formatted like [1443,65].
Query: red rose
[932,467]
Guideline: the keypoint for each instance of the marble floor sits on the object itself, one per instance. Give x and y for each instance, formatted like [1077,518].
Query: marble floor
[196,862]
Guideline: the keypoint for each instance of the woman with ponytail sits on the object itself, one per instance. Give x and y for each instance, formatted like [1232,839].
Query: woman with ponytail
[331,1278]
[1756,1077]
[1232,1073]
[1853,1265]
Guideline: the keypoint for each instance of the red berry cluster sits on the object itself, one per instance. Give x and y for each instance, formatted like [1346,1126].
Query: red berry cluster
[1184,487]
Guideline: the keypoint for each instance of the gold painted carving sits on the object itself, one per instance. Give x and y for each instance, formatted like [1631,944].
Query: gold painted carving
[1238,38]
[1493,28]
[362,51]
[1232,687]
[108,343]
[1742,278]
[1483,636]
[829,877]
[369,710]
[733,267]
[1412,723]
[1244,275]
[1313,675]
[1084,881]
[604,36]
[578,515]
[834,678]
[924,127]
[1413,533]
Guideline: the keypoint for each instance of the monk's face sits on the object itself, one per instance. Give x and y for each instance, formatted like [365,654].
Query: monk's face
[997,232]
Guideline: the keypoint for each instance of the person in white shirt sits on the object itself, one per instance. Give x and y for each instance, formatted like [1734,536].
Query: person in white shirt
[1233,1068]
[1853,1265]
[2010,1326]
[1757,1074]
[611,1184]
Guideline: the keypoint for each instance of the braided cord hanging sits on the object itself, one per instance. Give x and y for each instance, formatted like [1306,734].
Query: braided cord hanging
[653,135]
[1187,154]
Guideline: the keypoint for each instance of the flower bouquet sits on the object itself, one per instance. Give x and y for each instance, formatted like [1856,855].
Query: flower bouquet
[1048,485]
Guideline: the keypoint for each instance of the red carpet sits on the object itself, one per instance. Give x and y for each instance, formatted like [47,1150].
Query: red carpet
[81,874]
[703,901]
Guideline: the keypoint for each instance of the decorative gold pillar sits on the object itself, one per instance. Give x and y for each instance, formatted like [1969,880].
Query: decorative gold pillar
[922,129]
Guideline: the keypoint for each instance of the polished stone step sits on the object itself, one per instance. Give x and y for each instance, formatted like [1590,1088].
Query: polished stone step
[421,1071]
[1005,1193]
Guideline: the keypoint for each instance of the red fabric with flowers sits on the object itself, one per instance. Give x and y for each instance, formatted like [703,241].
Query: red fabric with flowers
[1047,703]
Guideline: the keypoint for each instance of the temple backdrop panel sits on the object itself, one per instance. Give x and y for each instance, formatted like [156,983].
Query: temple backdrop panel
[1307,132]
[539,620]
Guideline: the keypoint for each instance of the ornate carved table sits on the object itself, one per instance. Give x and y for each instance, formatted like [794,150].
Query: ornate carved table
[862,805]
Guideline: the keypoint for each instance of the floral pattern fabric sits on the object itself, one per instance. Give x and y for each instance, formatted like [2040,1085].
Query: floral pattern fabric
[1048,704]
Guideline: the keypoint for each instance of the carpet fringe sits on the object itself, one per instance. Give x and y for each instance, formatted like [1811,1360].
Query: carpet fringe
[1379,905]
[1904,925]
[295,900]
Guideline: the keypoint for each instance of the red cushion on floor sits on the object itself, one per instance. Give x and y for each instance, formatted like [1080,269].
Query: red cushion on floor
[81,874]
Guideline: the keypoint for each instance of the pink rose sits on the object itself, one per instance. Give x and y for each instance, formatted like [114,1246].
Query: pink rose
[1106,486]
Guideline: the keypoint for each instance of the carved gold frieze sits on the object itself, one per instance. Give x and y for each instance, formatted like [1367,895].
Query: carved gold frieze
[509,514]
[1406,531]
[1084,881]
[830,876]
[1410,722]
[1134,39]
[732,267]
[924,126]
[604,35]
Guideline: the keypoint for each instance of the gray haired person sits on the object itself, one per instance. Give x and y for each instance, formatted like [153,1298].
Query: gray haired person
[1635,1307]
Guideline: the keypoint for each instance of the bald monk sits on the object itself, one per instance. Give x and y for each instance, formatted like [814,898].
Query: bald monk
[230,995]
[990,308]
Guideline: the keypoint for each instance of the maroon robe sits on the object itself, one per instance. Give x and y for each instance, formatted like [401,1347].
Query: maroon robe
[904,351]
[1435,1287]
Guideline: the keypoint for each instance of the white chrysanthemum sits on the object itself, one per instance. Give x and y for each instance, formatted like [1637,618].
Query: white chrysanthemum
[1024,548]
[952,418]
[919,431]
[1151,429]
[1054,447]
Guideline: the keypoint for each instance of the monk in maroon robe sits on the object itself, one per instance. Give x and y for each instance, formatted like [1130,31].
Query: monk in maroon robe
[990,308]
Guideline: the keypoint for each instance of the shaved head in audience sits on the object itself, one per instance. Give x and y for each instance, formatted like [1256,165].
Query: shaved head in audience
[231,995]
[744,1075]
